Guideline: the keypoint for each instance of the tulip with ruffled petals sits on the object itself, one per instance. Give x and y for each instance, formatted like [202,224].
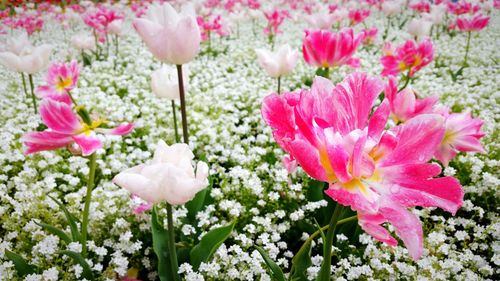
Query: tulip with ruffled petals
[279,63]
[323,48]
[169,177]
[405,105]
[333,134]
[172,37]
[65,129]
[462,135]
[470,25]
[410,57]
[61,78]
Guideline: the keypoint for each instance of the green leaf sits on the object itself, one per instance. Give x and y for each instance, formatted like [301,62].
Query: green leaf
[23,268]
[197,203]
[160,247]
[72,220]
[209,243]
[56,231]
[276,272]
[78,258]
[300,262]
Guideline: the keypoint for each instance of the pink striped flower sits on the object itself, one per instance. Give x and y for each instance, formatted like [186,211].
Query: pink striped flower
[333,134]
[462,7]
[65,129]
[409,57]
[421,6]
[405,105]
[323,48]
[476,23]
[61,78]
[369,35]
[462,135]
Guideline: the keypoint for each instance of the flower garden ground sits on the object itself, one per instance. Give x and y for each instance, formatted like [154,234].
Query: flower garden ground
[248,181]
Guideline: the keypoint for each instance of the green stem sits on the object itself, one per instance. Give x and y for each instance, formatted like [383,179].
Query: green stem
[407,80]
[467,49]
[33,98]
[171,243]
[88,197]
[386,31]
[324,273]
[185,133]
[279,85]
[175,122]
[24,84]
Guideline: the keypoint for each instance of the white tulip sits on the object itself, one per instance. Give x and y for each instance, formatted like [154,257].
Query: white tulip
[169,177]
[391,8]
[321,20]
[165,84]
[29,60]
[419,28]
[278,63]
[83,41]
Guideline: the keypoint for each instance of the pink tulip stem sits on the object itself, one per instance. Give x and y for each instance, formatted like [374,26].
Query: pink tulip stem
[407,80]
[209,34]
[117,42]
[24,84]
[96,45]
[324,273]
[175,122]
[171,243]
[279,85]
[467,50]
[185,133]
[33,98]
[88,197]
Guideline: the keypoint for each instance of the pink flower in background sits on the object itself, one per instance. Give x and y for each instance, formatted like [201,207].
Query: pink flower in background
[408,57]
[323,48]
[462,7]
[211,24]
[476,23]
[378,173]
[99,19]
[421,6]
[274,19]
[65,129]
[358,16]
[30,23]
[462,135]
[369,35]
[253,4]
[61,78]
[405,105]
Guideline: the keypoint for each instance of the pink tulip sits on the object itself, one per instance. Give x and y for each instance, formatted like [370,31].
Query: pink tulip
[333,134]
[475,23]
[65,129]
[369,35]
[421,6]
[358,16]
[172,37]
[405,105]
[274,19]
[323,48]
[61,78]
[463,7]
[409,57]
[462,134]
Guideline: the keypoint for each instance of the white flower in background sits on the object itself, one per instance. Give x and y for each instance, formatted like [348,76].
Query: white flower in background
[83,41]
[169,177]
[116,27]
[278,63]
[391,8]
[320,20]
[436,15]
[419,28]
[29,59]
[165,84]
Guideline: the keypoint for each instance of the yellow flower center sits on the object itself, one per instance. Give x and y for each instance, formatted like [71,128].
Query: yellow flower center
[87,129]
[63,83]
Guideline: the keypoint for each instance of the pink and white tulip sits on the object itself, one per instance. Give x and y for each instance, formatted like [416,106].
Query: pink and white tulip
[476,23]
[323,48]
[172,37]
[409,57]
[61,78]
[66,129]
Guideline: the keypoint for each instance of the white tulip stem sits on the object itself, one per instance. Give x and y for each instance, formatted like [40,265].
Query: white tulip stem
[171,243]
[464,65]
[33,98]
[175,122]
[185,133]
[88,198]
[279,85]
[24,84]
